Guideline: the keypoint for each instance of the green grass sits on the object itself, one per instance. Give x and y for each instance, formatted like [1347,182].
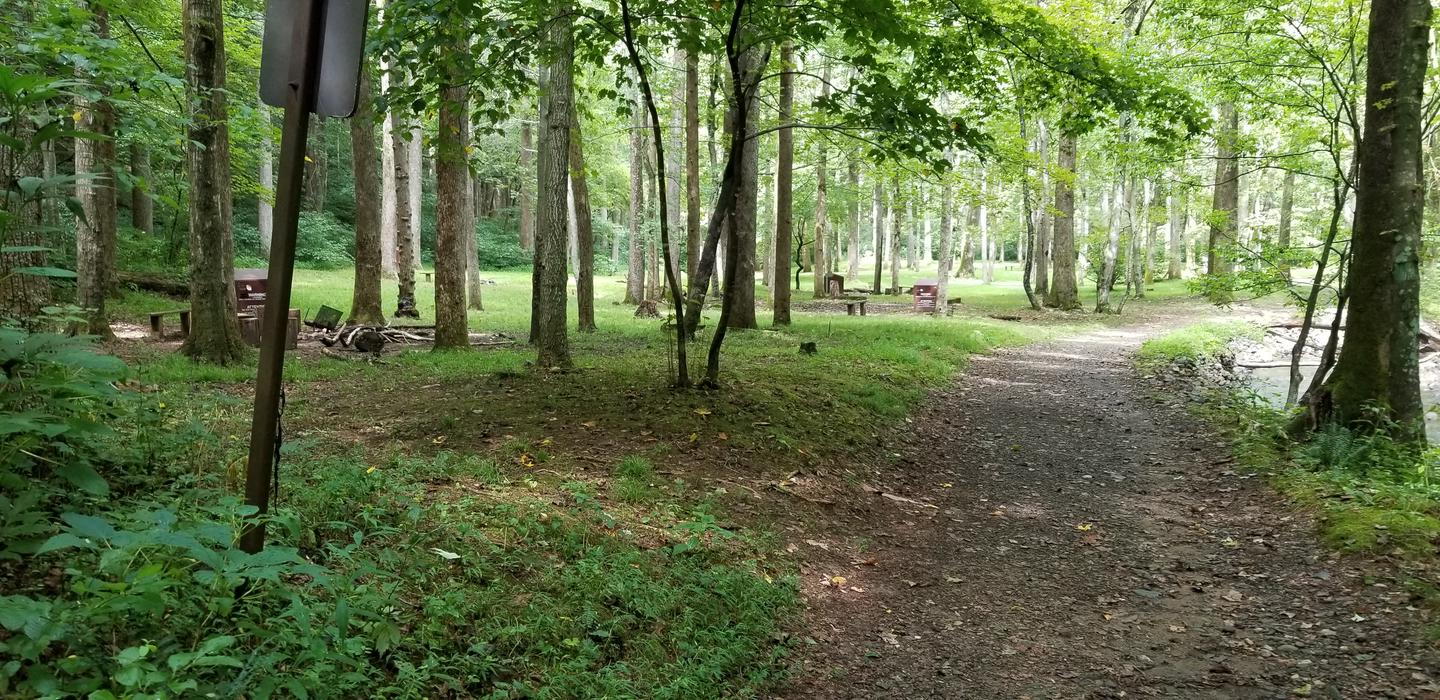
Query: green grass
[1196,343]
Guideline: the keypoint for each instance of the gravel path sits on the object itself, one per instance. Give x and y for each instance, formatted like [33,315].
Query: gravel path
[1049,529]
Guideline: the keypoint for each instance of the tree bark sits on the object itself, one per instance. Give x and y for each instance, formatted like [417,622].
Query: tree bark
[740,296]
[635,274]
[1105,280]
[552,174]
[584,227]
[1225,209]
[389,236]
[142,206]
[265,212]
[404,246]
[1174,269]
[451,182]
[527,207]
[214,331]
[852,223]
[878,224]
[947,247]
[1379,368]
[1063,293]
[474,291]
[897,228]
[416,163]
[365,298]
[692,163]
[95,188]
[1287,211]
[784,191]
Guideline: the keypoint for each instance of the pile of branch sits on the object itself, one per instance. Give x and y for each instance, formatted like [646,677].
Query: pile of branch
[374,338]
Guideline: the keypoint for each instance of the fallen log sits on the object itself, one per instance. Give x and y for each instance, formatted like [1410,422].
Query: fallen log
[169,286]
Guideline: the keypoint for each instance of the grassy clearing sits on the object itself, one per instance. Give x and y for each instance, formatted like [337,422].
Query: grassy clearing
[1196,343]
[460,525]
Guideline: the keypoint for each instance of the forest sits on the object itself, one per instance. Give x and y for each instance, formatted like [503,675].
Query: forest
[723,349]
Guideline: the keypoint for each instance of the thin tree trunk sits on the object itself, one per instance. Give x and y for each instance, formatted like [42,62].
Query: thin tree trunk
[1105,281]
[692,163]
[897,228]
[265,213]
[1379,365]
[879,230]
[527,207]
[416,162]
[389,237]
[214,331]
[947,247]
[635,278]
[1063,293]
[784,173]
[553,170]
[95,188]
[404,248]
[1226,207]
[584,227]
[474,291]
[1287,210]
[852,222]
[365,298]
[451,181]
[1175,247]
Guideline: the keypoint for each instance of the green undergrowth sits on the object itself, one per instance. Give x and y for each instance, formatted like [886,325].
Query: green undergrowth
[502,574]
[1196,343]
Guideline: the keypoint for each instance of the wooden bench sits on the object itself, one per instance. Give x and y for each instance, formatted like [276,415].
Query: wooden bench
[157,328]
[852,304]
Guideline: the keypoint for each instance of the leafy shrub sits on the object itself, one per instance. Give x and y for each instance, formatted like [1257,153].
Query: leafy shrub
[498,245]
[324,242]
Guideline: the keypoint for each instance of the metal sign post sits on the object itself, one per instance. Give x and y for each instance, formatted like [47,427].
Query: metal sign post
[296,51]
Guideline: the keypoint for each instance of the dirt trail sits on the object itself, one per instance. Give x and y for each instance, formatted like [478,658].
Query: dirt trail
[1067,535]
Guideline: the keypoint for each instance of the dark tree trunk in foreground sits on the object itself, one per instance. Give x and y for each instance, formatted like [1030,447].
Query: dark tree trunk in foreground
[1226,207]
[365,298]
[740,296]
[214,331]
[95,231]
[405,262]
[784,174]
[1379,362]
[552,222]
[1063,293]
[452,179]
[584,228]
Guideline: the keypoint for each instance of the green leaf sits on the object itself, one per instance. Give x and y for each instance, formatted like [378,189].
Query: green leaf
[45,272]
[84,476]
[88,526]
[64,540]
[30,185]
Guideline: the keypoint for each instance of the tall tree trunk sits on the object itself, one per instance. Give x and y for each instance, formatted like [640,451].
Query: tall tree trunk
[1105,280]
[897,229]
[365,299]
[451,181]
[674,209]
[740,297]
[214,331]
[1044,235]
[947,247]
[416,181]
[912,240]
[852,224]
[1287,212]
[142,206]
[95,188]
[966,268]
[404,246]
[527,207]
[987,250]
[1063,293]
[474,291]
[1175,248]
[1226,207]
[784,174]
[692,163]
[265,213]
[1379,364]
[635,277]
[317,173]
[584,227]
[552,175]
[389,237]
[878,224]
